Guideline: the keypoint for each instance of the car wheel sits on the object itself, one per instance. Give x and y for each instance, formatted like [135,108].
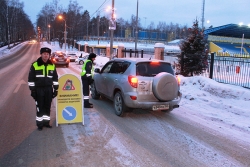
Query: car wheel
[81,62]
[94,93]
[165,86]
[119,105]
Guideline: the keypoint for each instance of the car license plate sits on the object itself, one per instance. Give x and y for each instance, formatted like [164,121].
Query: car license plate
[160,107]
[61,60]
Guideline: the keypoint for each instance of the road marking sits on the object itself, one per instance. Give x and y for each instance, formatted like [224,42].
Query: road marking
[18,85]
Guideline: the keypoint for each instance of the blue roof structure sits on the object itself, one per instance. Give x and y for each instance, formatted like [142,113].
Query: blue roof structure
[230,30]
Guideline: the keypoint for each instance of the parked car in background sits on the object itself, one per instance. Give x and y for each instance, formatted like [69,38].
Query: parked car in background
[72,56]
[80,60]
[137,83]
[59,58]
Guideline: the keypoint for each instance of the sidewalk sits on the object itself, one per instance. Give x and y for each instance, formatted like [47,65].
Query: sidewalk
[5,51]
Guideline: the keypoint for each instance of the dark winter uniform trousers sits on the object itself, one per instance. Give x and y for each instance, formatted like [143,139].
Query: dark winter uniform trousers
[85,88]
[44,99]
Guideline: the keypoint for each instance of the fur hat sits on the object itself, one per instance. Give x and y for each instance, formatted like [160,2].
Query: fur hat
[45,49]
[92,55]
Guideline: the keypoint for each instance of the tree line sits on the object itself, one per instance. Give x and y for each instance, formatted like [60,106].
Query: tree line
[15,25]
[80,24]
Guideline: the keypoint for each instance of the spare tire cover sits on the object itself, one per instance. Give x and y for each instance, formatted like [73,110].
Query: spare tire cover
[165,86]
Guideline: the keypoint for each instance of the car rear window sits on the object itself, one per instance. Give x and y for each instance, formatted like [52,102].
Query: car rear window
[60,55]
[153,68]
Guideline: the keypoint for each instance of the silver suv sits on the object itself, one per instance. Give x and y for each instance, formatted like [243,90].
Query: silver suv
[137,83]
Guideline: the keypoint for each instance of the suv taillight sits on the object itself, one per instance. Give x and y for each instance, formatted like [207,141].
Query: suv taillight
[178,80]
[133,81]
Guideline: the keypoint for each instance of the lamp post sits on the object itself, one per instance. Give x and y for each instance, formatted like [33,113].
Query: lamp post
[136,28]
[65,33]
[112,29]
[39,34]
[49,33]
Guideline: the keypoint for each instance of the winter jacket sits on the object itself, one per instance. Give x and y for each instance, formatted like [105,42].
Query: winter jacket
[42,74]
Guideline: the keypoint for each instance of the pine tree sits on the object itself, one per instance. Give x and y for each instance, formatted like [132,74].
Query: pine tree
[193,57]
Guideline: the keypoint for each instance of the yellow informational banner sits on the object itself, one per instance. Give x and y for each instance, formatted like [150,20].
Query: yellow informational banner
[69,108]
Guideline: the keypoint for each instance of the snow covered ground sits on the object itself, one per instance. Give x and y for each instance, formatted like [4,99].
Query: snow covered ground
[217,103]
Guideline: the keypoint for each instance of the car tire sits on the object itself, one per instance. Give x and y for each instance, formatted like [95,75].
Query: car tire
[165,86]
[119,105]
[94,93]
[81,62]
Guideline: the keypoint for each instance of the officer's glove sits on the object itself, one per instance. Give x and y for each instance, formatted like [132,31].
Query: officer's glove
[33,94]
[90,79]
[54,94]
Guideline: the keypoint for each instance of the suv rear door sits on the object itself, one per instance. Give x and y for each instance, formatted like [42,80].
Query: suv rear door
[145,72]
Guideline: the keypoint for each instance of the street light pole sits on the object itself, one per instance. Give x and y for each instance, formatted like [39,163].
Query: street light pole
[136,28]
[65,35]
[65,32]
[49,33]
[112,30]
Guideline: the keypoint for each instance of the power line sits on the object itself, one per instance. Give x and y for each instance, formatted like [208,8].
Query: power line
[99,8]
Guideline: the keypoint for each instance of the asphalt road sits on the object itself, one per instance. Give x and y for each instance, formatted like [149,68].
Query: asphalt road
[141,138]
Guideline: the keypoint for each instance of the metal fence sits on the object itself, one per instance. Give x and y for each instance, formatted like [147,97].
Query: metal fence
[229,70]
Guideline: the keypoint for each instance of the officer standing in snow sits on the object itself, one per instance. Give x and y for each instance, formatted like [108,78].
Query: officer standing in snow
[43,83]
[86,76]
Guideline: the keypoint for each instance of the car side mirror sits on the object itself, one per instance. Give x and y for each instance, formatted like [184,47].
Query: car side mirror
[97,70]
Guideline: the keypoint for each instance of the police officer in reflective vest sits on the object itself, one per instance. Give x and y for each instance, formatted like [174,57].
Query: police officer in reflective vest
[43,83]
[86,76]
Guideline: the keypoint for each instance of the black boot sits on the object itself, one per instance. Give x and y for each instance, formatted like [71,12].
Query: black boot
[48,126]
[87,104]
[40,128]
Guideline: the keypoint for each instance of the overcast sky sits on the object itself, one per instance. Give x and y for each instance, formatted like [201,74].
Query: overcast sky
[182,12]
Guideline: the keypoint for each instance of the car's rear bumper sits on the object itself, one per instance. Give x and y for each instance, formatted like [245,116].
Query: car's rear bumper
[149,104]
[61,63]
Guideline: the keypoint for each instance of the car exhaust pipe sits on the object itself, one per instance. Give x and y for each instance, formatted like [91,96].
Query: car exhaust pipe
[176,106]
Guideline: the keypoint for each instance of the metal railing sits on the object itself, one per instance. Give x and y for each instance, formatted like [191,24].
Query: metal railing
[229,70]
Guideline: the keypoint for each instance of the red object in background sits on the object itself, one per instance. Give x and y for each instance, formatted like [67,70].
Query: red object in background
[237,69]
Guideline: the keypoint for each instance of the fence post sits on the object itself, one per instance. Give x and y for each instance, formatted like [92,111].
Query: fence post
[211,66]
[120,48]
[158,49]
[85,47]
[142,53]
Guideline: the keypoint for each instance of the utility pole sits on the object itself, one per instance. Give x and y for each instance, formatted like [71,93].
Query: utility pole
[111,28]
[136,28]
[49,33]
[88,30]
[202,18]
[98,25]
[65,35]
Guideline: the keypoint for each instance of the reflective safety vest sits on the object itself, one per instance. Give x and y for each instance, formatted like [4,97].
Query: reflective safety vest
[50,67]
[44,76]
[84,68]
